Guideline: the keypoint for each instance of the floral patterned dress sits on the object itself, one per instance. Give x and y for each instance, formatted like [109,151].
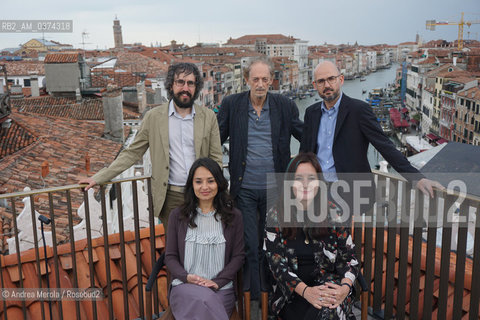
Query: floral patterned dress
[334,258]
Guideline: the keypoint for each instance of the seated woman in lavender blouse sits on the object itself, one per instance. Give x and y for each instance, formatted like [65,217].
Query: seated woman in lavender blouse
[205,246]
[311,260]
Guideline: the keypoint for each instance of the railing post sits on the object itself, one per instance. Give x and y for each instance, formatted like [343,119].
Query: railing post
[89,250]
[37,255]
[138,250]
[55,254]
[405,213]
[107,252]
[460,263]
[118,190]
[445,258]
[475,293]
[433,218]
[391,214]
[416,254]
[72,249]
[19,261]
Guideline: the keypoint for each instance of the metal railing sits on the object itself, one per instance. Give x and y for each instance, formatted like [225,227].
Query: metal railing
[409,277]
[413,278]
[92,309]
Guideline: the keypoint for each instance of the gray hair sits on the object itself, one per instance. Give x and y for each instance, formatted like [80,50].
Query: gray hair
[263,59]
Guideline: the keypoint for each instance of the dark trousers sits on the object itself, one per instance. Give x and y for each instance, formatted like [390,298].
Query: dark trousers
[173,199]
[254,205]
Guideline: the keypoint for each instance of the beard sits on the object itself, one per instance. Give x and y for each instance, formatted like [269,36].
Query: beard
[331,97]
[184,104]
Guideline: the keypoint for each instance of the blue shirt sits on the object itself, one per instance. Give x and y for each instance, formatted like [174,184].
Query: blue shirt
[259,160]
[326,133]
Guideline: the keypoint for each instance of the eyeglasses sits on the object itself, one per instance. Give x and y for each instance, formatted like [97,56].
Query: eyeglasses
[331,80]
[180,83]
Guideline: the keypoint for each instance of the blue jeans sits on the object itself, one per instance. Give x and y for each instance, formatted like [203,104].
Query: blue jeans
[253,205]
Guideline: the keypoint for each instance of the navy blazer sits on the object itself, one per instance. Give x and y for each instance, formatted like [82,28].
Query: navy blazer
[356,127]
[233,122]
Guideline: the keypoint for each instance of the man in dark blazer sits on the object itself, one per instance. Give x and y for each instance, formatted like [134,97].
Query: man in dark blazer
[259,125]
[339,130]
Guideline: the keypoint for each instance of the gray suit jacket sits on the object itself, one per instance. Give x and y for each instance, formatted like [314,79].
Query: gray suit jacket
[153,133]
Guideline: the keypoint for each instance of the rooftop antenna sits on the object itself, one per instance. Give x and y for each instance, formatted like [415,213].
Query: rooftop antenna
[84,36]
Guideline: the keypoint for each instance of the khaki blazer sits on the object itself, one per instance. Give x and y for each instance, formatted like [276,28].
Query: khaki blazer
[153,133]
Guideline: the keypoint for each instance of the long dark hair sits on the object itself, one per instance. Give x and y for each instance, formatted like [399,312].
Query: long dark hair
[222,202]
[187,68]
[319,231]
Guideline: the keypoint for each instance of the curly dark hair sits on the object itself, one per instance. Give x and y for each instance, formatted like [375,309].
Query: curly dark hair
[187,68]
[318,231]
[222,202]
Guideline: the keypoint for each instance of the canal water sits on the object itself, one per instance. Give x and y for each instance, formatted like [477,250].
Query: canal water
[353,88]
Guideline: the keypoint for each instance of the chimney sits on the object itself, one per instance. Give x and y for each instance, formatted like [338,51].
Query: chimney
[141,96]
[113,113]
[34,86]
[454,61]
[45,169]
[78,95]
[87,162]
[16,91]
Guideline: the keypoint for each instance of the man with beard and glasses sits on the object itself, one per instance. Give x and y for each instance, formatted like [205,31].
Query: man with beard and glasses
[177,134]
[259,125]
[339,130]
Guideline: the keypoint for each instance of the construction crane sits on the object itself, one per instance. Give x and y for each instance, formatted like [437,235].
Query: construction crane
[431,24]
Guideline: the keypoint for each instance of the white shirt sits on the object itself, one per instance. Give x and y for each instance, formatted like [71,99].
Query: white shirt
[182,147]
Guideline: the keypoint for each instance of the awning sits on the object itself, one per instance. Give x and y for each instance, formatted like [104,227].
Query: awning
[404,110]
[432,137]
[441,141]
[414,121]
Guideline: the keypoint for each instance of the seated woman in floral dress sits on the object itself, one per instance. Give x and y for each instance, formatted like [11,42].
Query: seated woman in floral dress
[313,263]
[204,246]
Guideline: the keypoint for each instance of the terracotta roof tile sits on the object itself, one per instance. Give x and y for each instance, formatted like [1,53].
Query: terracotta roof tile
[429,60]
[24,68]
[460,74]
[88,109]
[66,277]
[157,54]
[61,58]
[137,63]
[63,143]
[472,93]
[14,139]
[467,284]
[121,79]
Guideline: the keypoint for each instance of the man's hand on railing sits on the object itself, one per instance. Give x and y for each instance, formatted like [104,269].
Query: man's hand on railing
[426,186]
[88,181]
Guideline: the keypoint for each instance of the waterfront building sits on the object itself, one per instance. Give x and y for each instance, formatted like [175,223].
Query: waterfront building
[278,45]
[449,83]
[43,45]
[467,120]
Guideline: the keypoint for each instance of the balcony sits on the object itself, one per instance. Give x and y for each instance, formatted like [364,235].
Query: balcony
[409,277]
[444,123]
[448,94]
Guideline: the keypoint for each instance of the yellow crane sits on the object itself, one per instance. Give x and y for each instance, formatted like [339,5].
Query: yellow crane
[431,24]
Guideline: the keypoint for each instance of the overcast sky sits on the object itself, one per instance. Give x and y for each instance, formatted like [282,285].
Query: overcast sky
[191,21]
